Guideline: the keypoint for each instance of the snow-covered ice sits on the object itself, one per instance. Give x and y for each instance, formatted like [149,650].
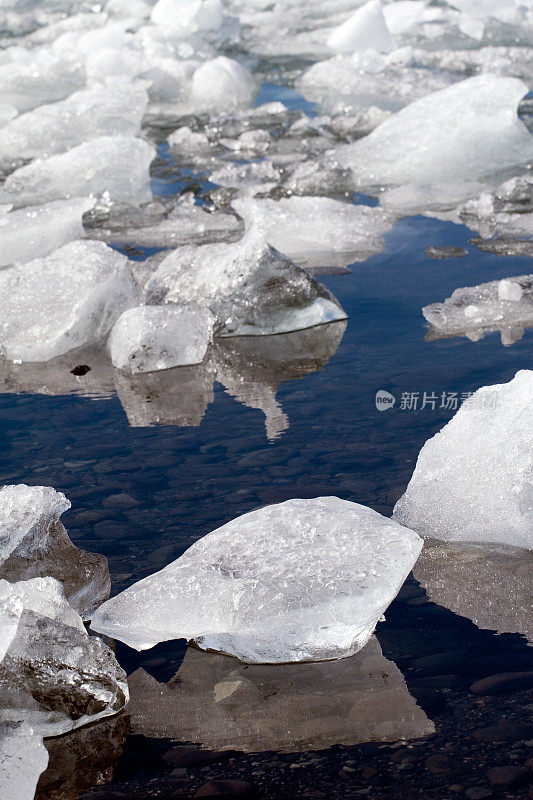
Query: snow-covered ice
[67,299]
[249,287]
[223,705]
[314,592]
[150,338]
[54,676]
[473,481]
[34,543]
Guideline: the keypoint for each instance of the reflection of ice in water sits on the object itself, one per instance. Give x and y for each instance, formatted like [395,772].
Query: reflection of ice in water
[222,704]
[492,586]
[250,368]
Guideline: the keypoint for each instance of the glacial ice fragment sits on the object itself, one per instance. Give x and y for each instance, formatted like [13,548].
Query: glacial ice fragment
[466,131]
[53,676]
[23,757]
[473,481]
[304,580]
[70,298]
[366,28]
[150,338]
[249,287]
[34,543]
[221,83]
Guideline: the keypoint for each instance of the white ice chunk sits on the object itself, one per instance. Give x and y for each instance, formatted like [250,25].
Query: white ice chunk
[102,110]
[65,300]
[364,30]
[318,231]
[312,592]
[464,132]
[23,757]
[473,481]
[150,338]
[34,543]
[118,165]
[189,16]
[53,676]
[249,287]
[220,83]
[38,230]
[417,198]
[36,77]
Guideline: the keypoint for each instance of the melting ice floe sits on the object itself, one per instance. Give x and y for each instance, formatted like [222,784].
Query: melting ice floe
[315,594]
[34,543]
[473,481]
[53,676]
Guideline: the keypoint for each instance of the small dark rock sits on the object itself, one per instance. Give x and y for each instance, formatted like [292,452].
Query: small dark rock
[227,788]
[446,252]
[504,682]
[81,369]
[478,793]
[439,764]
[505,777]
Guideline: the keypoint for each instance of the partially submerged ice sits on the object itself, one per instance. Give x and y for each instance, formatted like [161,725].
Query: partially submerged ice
[250,288]
[466,131]
[54,677]
[118,165]
[473,481]
[505,305]
[34,543]
[67,299]
[23,757]
[218,703]
[314,592]
[150,338]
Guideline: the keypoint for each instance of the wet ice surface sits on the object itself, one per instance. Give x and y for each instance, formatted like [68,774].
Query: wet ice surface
[152,461]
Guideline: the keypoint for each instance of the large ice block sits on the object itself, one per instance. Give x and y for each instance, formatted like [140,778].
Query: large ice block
[34,543]
[473,481]
[304,580]
[67,299]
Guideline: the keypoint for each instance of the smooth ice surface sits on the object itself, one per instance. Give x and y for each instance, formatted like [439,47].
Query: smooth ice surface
[473,481]
[65,300]
[118,165]
[36,231]
[101,110]
[318,231]
[366,28]
[220,83]
[23,757]
[53,676]
[313,592]
[34,543]
[466,131]
[250,288]
[492,586]
[223,705]
[498,305]
[150,338]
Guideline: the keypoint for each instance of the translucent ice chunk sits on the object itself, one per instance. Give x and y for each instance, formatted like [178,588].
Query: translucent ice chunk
[36,231]
[101,110]
[249,287]
[313,592]
[464,132]
[34,543]
[473,481]
[221,82]
[366,28]
[223,705]
[36,77]
[69,298]
[53,676]
[150,338]
[118,165]
[23,757]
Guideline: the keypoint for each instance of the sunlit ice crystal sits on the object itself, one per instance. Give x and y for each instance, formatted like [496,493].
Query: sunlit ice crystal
[473,481]
[304,580]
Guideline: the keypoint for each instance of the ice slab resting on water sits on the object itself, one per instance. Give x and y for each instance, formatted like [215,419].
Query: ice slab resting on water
[473,481]
[34,543]
[36,231]
[150,338]
[218,703]
[118,165]
[53,676]
[463,132]
[312,592]
[505,304]
[65,300]
[23,757]
[250,288]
